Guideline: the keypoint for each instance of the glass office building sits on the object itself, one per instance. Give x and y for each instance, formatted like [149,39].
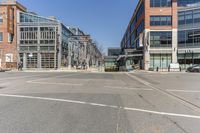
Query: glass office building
[189,33]
[42,42]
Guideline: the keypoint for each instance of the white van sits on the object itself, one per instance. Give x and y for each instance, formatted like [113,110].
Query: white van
[174,67]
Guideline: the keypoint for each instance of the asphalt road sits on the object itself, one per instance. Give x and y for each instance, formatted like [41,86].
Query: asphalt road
[138,102]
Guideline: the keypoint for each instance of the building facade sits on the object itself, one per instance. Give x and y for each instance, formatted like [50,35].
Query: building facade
[85,52]
[8,33]
[41,42]
[188,33]
[152,36]
[110,61]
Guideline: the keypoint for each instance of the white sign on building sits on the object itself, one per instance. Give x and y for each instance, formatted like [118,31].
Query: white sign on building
[9,57]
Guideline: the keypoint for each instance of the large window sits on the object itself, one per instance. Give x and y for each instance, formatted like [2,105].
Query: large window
[140,12]
[160,3]
[133,40]
[187,2]
[189,38]
[161,39]
[140,28]
[162,61]
[190,18]
[160,20]
[31,18]
[132,27]
[47,60]
[1,36]
[28,35]
[32,59]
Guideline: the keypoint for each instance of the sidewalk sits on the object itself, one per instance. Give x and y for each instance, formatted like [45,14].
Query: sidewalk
[4,70]
[160,72]
[59,70]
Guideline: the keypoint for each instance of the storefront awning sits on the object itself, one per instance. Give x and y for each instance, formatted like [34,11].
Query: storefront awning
[128,56]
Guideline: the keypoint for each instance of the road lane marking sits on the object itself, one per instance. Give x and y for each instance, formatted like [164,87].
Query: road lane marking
[127,88]
[52,77]
[186,91]
[48,83]
[58,100]
[101,105]
[19,77]
[178,98]
[162,113]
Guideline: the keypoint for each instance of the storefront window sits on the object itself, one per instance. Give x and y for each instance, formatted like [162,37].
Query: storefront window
[162,61]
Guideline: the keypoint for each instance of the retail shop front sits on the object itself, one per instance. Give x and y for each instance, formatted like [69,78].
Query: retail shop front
[187,58]
[160,59]
[38,60]
[130,62]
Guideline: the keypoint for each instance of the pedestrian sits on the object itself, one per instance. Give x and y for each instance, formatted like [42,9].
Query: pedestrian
[18,65]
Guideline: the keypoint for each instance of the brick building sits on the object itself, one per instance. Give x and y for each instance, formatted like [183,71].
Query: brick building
[152,39]
[8,32]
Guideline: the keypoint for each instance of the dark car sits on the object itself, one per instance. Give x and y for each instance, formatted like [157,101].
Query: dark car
[195,68]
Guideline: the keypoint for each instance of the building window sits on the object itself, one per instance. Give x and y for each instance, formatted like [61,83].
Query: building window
[47,60]
[160,20]
[1,36]
[1,19]
[191,17]
[189,38]
[160,3]
[160,39]
[28,35]
[133,40]
[10,38]
[23,48]
[187,2]
[161,61]
[140,28]
[32,59]
[140,12]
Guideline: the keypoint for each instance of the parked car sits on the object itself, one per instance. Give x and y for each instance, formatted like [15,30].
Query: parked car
[194,68]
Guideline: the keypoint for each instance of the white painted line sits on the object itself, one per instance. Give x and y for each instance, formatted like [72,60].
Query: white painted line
[48,83]
[55,99]
[126,88]
[19,77]
[102,105]
[186,91]
[162,113]
[52,77]
[172,95]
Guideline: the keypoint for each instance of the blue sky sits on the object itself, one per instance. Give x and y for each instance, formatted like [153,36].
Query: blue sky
[105,20]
